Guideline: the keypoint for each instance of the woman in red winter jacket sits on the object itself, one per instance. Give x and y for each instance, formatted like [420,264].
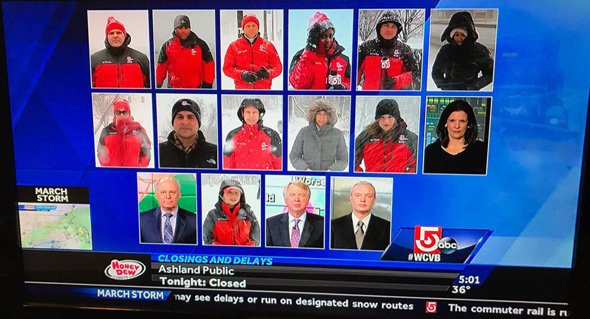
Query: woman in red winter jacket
[386,145]
[321,65]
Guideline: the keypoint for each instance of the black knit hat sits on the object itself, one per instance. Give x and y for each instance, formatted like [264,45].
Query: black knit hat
[388,106]
[388,17]
[257,103]
[186,105]
[182,21]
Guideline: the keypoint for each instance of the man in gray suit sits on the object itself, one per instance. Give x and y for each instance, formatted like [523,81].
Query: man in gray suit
[296,228]
[168,223]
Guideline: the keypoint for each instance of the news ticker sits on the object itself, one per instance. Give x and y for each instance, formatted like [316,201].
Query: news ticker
[203,300]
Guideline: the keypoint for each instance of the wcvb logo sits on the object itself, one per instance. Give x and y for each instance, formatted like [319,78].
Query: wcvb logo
[124,269]
[426,239]
[429,240]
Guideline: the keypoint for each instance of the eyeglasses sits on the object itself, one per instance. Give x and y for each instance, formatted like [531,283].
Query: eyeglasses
[121,112]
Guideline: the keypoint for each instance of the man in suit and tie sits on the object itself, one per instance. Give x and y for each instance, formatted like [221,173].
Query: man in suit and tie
[168,224]
[297,227]
[360,229]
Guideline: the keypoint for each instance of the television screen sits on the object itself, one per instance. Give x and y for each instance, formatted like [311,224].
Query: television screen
[333,159]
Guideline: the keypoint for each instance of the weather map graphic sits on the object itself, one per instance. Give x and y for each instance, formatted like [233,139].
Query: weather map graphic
[55,217]
[55,226]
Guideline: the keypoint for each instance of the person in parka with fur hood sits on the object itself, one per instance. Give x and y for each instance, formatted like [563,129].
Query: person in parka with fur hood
[320,146]
[231,222]
[459,62]
[386,145]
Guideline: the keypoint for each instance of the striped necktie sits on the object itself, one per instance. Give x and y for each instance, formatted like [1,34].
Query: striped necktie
[295,236]
[168,233]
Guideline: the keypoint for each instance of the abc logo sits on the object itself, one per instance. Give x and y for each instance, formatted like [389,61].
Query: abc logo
[447,245]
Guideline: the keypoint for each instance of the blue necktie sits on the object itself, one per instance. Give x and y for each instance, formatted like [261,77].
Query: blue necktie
[168,234]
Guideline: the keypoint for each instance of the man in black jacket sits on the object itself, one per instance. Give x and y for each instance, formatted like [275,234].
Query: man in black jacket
[186,145]
[361,229]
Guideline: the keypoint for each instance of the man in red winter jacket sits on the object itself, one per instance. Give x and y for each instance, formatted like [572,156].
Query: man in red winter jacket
[251,61]
[321,65]
[252,145]
[185,59]
[386,63]
[123,142]
[118,65]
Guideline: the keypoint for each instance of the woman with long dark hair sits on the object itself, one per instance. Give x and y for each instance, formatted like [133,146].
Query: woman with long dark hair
[457,149]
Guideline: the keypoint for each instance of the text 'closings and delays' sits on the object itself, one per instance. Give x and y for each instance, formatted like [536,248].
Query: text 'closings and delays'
[206,259]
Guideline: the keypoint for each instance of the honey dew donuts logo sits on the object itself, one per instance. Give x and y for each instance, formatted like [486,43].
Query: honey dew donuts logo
[124,269]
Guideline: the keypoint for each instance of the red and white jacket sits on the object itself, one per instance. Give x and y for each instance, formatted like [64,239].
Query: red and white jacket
[252,147]
[380,155]
[243,56]
[378,62]
[121,67]
[125,144]
[310,70]
[187,64]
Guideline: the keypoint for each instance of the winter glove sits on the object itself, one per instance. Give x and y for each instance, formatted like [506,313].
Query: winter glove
[388,83]
[337,87]
[313,36]
[249,77]
[206,85]
[263,73]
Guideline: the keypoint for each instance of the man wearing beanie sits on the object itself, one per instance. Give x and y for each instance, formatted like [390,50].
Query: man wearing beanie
[386,63]
[252,145]
[186,145]
[462,59]
[251,61]
[118,65]
[185,59]
[386,145]
[321,65]
[124,142]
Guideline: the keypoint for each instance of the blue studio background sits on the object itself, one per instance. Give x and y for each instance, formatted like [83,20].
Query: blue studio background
[529,197]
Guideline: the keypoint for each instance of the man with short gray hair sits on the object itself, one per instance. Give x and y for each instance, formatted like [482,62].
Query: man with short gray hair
[361,229]
[168,223]
[297,227]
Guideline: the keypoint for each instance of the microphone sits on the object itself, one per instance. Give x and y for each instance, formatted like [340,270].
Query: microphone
[385,63]
[334,78]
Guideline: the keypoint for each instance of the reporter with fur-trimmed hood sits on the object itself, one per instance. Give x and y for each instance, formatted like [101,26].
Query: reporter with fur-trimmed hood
[320,146]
